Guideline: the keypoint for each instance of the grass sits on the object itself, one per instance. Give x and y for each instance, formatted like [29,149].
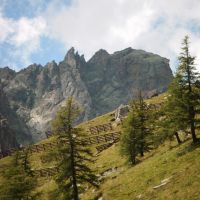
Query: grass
[157,99]
[43,160]
[104,119]
[138,181]
[123,181]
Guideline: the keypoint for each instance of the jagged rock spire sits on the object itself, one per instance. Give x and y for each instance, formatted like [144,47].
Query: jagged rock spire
[70,54]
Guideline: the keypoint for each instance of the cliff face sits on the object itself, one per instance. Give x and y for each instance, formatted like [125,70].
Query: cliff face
[8,124]
[114,79]
[99,85]
[36,93]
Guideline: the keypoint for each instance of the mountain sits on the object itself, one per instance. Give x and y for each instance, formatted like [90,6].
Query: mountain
[12,129]
[114,79]
[99,85]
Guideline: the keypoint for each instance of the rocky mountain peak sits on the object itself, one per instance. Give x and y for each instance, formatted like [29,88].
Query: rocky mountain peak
[51,65]
[101,53]
[6,74]
[100,57]
[74,60]
[99,85]
[70,57]
[124,51]
[32,68]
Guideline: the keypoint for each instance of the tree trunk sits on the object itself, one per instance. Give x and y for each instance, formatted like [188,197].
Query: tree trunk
[142,120]
[142,141]
[178,138]
[141,152]
[133,156]
[142,137]
[74,181]
[192,125]
[133,159]
[72,153]
[191,107]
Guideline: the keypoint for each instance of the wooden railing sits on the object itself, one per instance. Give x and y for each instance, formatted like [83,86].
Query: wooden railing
[46,172]
[109,137]
[100,128]
[94,130]
[105,146]
[101,138]
[32,149]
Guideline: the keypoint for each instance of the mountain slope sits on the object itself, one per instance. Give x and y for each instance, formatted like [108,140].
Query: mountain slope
[177,166]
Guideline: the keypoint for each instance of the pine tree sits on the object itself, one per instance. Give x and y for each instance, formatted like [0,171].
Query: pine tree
[129,140]
[169,125]
[173,123]
[136,137]
[143,126]
[75,156]
[183,102]
[18,184]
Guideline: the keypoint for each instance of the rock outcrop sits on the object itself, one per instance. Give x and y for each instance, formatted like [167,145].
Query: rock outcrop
[99,85]
[10,126]
[115,79]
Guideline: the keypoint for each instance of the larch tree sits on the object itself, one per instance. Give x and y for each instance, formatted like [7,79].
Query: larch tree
[19,181]
[137,137]
[172,118]
[75,156]
[129,139]
[184,96]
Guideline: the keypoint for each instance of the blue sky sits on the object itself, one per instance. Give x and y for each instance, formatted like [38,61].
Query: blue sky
[39,31]
[47,49]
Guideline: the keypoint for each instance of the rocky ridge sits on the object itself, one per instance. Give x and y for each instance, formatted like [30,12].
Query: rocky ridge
[99,85]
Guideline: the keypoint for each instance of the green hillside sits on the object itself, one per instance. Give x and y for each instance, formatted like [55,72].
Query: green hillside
[176,167]
[179,163]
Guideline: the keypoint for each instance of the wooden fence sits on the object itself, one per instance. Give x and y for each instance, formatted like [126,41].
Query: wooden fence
[100,128]
[42,147]
[32,149]
[6,153]
[46,172]
[94,130]
[103,147]
[109,137]
[101,138]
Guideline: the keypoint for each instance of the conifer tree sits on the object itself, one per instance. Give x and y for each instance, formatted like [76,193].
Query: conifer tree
[137,137]
[75,156]
[170,121]
[129,140]
[18,184]
[184,97]
[143,126]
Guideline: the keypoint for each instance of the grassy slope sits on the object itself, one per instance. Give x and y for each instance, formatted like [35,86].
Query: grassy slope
[181,163]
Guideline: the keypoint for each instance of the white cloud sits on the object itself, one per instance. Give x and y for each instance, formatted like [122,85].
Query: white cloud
[115,24]
[27,30]
[5,28]
[88,25]
[23,35]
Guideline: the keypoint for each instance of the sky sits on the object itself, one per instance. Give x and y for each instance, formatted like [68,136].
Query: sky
[39,31]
